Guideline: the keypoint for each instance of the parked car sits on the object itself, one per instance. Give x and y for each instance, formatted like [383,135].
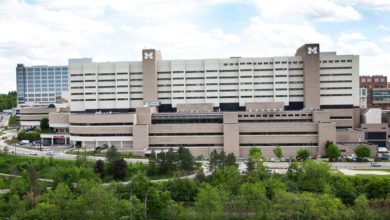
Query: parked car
[32,154]
[375,164]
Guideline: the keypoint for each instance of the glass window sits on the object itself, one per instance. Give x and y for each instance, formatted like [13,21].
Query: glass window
[376,79]
[363,79]
[369,80]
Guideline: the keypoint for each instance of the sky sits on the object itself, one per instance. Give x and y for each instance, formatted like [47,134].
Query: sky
[48,32]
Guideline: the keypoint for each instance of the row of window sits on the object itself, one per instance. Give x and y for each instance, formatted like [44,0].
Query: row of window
[107,74]
[101,124]
[185,134]
[110,99]
[279,133]
[263,63]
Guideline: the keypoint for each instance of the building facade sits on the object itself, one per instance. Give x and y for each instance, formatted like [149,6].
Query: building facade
[377,92]
[41,84]
[228,104]
[331,82]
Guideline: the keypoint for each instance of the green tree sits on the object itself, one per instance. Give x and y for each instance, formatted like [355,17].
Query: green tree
[111,156]
[33,191]
[315,176]
[303,154]
[182,190]
[120,169]
[44,124]
[99,168]
[95,203]
[343,188]
[252,199]
[152,167]
[230,160]
[278,152]
[62,197]
[228,179]
[332,152]
[362,151]
[361,209]
[213,160]
[256,160]
[185,158]
[209,203]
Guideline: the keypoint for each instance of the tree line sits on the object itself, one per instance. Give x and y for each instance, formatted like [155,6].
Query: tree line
[309,190]
[8,101]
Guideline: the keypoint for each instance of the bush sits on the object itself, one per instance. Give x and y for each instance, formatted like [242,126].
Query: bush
[362,151]
[303,154]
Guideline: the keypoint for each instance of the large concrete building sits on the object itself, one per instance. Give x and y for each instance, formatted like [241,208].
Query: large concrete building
[230,104]
[40,84]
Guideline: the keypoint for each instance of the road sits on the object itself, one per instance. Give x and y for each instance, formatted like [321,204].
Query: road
[54,151]
[58,152]
[4,119]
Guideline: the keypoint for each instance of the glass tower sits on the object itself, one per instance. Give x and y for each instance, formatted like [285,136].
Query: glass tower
[41,84]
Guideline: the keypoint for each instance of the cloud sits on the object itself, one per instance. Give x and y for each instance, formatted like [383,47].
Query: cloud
[384,28]
[306,10]
[378,5]
[351,36]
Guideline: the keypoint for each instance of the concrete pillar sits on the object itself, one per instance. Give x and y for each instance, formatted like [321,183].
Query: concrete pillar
[231,133]
[52,141]
[121,144]
[326,132]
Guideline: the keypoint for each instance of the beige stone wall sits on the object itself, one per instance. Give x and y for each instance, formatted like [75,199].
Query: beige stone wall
[58,118]
[101,118]
[212,139]
[278,139]
[253,106]
[278,127]
[231,140]
[230,117]
[201,107]
[144,115]
[326,132]
[101,130]
[311,75]
[287,151]
[185,128]
[36,110]
[149,69]
[350,136]
[321,116]
[140,137]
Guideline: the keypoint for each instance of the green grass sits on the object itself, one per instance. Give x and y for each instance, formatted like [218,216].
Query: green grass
[2,133]
[375,169]
[102,154]
[45,167]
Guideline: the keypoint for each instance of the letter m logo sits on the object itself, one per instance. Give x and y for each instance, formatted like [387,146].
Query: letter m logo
[312,50]
[148,55]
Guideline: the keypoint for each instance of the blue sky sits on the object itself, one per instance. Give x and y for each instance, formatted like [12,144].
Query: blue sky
[39,32]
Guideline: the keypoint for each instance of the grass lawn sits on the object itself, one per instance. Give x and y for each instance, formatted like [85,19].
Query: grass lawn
[45,167]
[375,169]
[102,154]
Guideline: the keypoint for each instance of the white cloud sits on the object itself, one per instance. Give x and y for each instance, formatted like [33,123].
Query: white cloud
[351,36]
[384,28]
[379,5]
[306,10]
[51,31]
